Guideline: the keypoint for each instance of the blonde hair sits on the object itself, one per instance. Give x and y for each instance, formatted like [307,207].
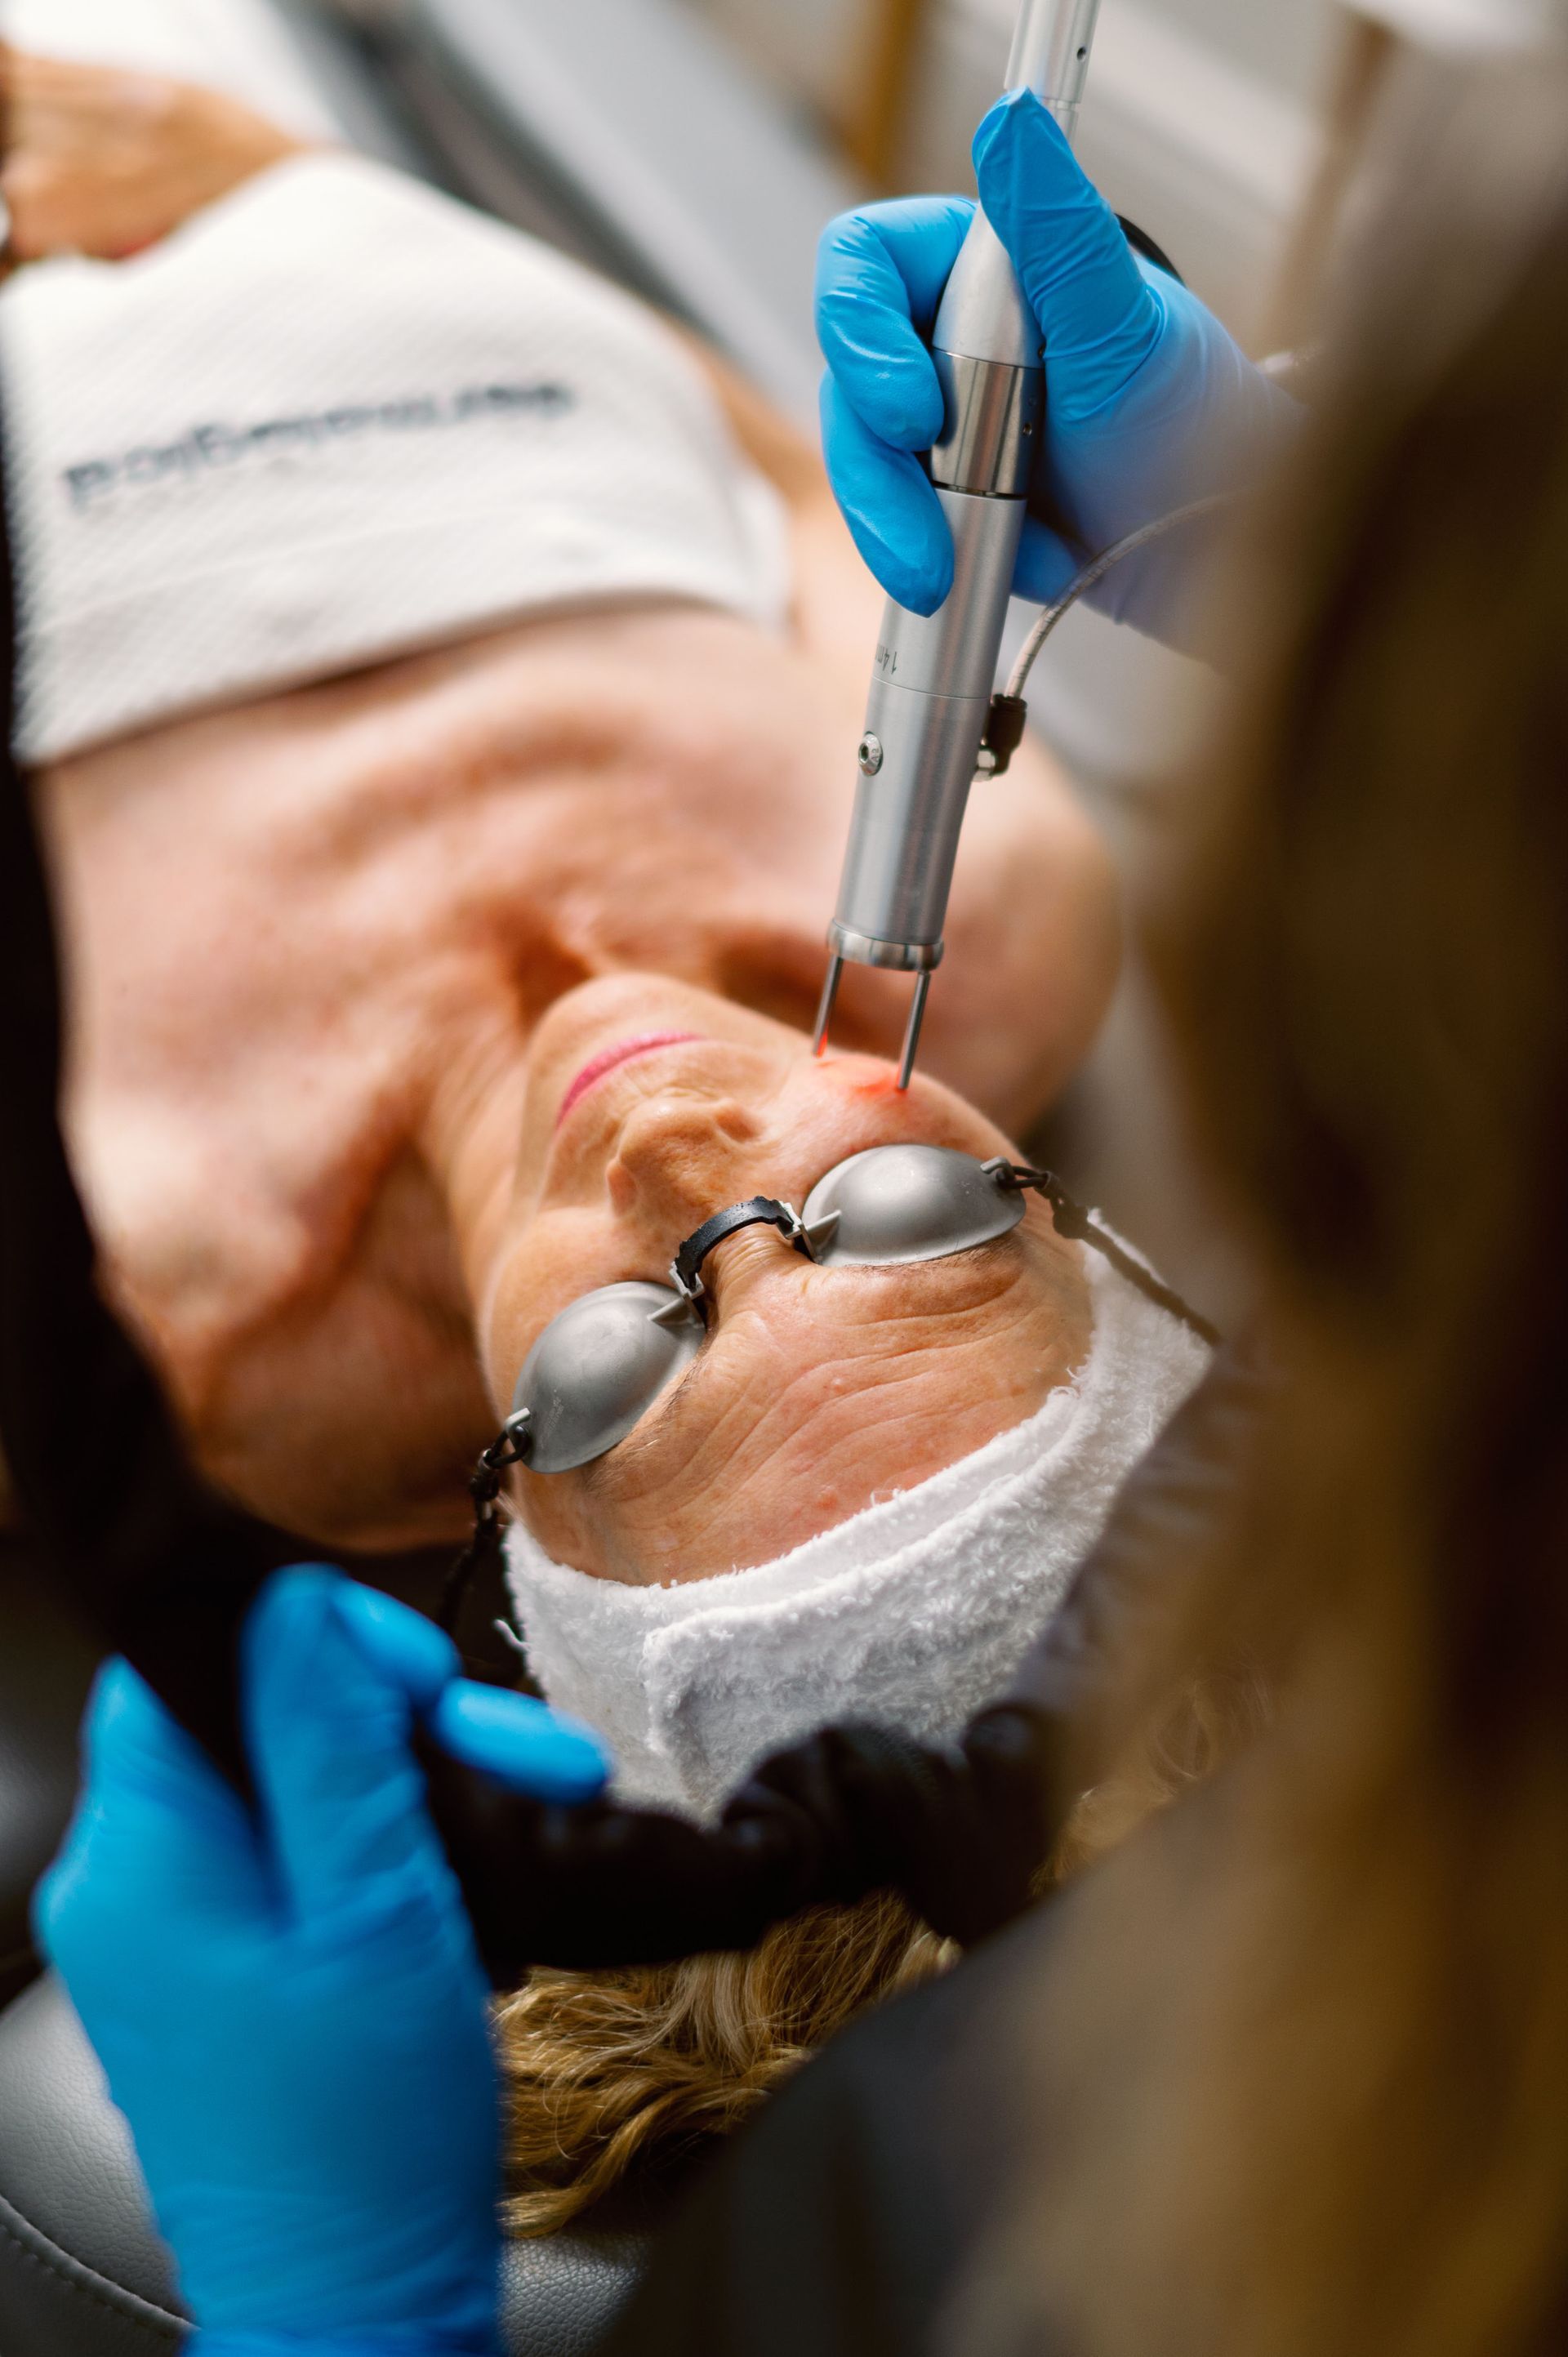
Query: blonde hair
[605,2069]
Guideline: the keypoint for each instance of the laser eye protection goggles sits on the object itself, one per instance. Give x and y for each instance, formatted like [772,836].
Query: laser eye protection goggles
[601,1362]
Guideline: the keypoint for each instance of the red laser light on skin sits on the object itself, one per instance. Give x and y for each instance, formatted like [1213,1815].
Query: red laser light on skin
[912,1031]
[865,1077]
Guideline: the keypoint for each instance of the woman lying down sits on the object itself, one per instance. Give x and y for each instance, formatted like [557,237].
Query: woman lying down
[440,680]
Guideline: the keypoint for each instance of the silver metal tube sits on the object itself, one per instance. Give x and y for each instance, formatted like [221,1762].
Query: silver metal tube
[991,425]
[1050,54]
[931,691]
[934,675]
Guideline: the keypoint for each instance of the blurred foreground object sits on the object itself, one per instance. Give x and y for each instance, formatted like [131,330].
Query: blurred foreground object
[1384,48]
[286,2000]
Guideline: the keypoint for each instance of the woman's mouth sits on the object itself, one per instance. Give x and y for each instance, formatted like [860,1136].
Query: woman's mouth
[609,1060]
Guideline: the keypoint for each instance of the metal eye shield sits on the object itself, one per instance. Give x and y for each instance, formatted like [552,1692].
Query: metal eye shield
[601,1362]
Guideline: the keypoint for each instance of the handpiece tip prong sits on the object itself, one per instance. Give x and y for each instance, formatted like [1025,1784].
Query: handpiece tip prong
[912,1031]
[825,1007]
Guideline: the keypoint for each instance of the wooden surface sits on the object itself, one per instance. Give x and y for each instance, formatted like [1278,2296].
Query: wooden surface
[873,120]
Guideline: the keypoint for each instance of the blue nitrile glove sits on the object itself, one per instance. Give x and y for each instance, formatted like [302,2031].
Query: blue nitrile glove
[290,2012]
[1150,405]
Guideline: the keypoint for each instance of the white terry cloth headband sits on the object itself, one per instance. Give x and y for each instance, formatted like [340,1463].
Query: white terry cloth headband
[915,1613]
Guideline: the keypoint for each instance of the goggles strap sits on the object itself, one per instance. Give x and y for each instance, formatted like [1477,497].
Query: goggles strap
[510,1447]
[1081,1227]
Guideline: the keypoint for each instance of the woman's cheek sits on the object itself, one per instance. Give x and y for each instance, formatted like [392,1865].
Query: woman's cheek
[546,1263]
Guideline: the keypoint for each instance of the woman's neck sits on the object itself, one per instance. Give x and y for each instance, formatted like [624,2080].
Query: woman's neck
[469,1139]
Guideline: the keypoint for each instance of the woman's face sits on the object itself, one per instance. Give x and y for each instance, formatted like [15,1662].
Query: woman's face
[650,1105]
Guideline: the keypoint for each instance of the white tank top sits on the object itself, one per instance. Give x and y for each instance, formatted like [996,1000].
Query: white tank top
[335,419]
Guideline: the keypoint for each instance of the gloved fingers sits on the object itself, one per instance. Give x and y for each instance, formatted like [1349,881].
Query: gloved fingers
[522,1743]
[159,1835]
[409,1647]
[1048,564]
[518,1741]
[1098,317]
[880,274]
[893,514]
[341,1794]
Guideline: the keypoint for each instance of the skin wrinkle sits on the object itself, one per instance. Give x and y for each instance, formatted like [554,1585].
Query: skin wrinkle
[914,1354]
[403,1292]
[811,1421]
[811,1395]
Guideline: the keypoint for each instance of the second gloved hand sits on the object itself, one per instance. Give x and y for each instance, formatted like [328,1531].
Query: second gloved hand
[1150,405]
[287,2001]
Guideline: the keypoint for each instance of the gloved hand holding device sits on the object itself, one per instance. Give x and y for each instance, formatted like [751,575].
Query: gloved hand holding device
[1150,405]
[287,2001]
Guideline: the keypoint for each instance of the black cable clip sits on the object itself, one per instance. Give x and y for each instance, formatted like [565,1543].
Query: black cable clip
[1005,722]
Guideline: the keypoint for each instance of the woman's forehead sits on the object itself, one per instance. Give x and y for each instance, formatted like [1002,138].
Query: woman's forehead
[779,1317]
[792,1420]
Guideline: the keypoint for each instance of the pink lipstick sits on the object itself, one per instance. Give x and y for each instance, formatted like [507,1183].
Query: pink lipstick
[608,1059]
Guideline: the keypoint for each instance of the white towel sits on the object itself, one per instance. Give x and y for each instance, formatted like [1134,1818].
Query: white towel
[335,419]
[913,1613]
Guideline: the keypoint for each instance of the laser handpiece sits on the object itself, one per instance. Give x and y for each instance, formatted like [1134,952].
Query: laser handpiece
[927,717]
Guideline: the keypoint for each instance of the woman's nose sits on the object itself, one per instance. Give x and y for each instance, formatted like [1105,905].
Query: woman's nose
[679,1157]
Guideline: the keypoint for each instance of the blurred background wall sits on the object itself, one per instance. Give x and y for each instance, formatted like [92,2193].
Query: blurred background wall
[1201,119]
[1226,128]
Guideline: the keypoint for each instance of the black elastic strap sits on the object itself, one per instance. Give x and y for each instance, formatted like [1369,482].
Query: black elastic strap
[758,1211]
[485,1539]
[1081,1227]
